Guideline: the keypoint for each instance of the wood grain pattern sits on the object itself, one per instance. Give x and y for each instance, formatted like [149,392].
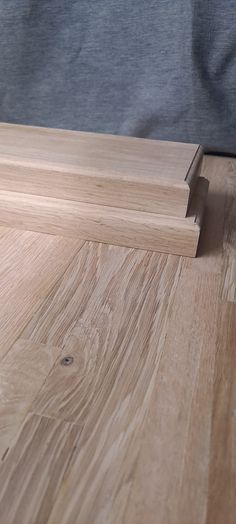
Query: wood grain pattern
[122,227]
[83,287]
[104,339]
[229,237]
[30,265]
[181,410]
[111,413]
[22,373]
[34,468]
[141,426]
[221,504]
[146,175]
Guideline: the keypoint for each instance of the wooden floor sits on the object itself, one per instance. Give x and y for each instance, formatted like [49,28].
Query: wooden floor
[118,376]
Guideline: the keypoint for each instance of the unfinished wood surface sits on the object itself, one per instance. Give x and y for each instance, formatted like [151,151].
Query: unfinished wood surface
[141,426]
[132,173]
[34,468]
[118,226]
[81,292]
[30,265]
[229,237]
[22,373]
[221,502]
[181,408]
[104,338]
[210,253]
[113,343]
[217,253]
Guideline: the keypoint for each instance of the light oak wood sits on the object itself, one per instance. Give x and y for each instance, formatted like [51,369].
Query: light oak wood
[181,408]
[141,426]
[132,173]
[221,505]
[103,339]
[105,404]
[34,469]
[228,290]
[105,224]
[30,265]
[93,271]
[210,253]
[22,373]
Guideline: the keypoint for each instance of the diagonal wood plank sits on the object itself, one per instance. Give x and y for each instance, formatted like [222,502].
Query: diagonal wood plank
[222,471]
[84,286]
[34,468]
[108,393]
[30,265]
[171,475]
[22,373]
[98,337]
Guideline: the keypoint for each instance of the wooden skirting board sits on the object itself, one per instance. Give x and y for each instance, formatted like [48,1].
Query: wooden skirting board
[132,173]
[117,226]
[120,190]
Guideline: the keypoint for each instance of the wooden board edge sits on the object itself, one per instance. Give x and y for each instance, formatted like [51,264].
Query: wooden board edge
[140,195]
[199,201]
[117,226]
[129,188]
[193,174]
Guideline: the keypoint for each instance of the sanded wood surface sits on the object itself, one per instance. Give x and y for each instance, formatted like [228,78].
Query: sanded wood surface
[123,227]
[30,266]
[140,426]
[39,460]
[23,372]
[126,172]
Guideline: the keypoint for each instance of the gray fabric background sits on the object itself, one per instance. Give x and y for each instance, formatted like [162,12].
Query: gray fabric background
[150,68]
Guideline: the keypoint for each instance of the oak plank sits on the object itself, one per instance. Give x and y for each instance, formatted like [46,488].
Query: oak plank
[170,481]
[82,291]
[151,388]
[111,225]
[228,290]
[30,265]
[97,338]
[117,347]
[34,469]
[22,373]
[97,321]
[146,175]
[221,505]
